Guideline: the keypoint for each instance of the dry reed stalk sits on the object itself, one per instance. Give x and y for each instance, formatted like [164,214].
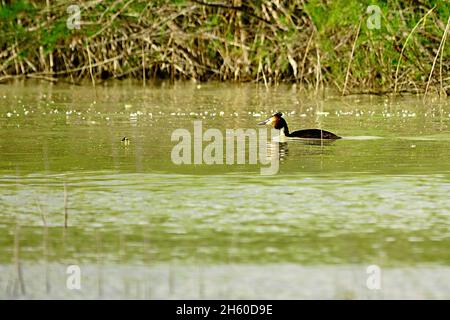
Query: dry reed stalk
[405,43]
[351,58]
[264,75]
[143,66]
[90,64]
[305,55]
[318,72]
[440,51]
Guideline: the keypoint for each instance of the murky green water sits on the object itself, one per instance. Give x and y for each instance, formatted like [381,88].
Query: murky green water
[140,226]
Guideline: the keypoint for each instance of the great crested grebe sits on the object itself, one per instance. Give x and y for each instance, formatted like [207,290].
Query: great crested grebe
[277,121]
[125,141]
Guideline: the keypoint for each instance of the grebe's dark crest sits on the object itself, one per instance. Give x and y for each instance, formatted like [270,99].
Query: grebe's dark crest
[278,122]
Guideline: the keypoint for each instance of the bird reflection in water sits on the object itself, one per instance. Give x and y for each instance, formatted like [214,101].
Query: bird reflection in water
[275,149]
[281,149]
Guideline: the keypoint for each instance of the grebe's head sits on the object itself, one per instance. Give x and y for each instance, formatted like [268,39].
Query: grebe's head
[275,120]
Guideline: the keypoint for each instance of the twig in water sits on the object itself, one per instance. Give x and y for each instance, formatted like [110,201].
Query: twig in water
[18,265]
[44,219]
[66,214]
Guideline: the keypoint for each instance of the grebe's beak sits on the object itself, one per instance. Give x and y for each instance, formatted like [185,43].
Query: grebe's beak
[267,121]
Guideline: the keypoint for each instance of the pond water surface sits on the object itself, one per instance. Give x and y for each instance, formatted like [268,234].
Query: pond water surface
[140,226]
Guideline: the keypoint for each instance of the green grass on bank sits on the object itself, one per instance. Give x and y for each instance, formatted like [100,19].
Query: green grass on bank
[315,43]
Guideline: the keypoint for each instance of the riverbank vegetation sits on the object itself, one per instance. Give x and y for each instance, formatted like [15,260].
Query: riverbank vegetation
[394,46]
